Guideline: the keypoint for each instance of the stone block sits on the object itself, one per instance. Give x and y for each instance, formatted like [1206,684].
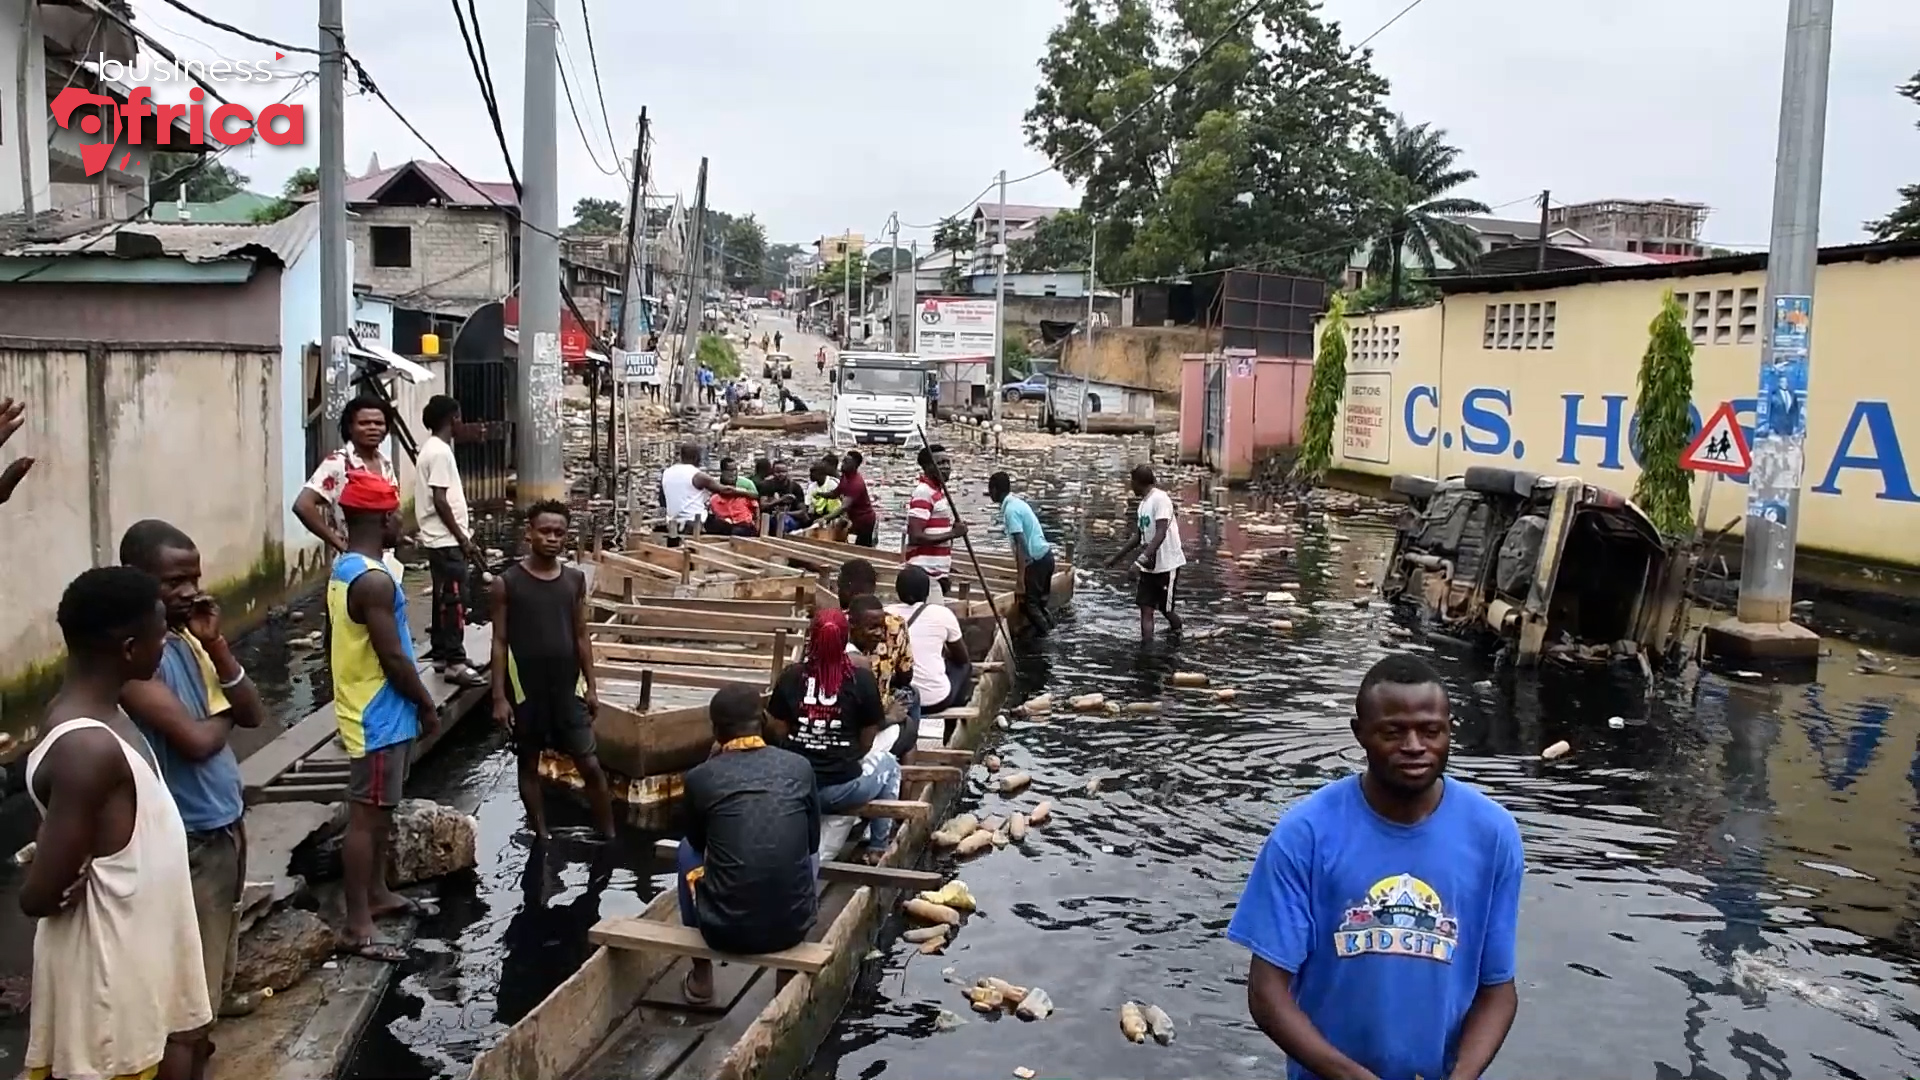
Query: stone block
[429,840]
[280,949]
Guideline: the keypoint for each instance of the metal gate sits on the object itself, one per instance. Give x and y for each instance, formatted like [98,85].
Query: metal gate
[485,382]
[1213,417]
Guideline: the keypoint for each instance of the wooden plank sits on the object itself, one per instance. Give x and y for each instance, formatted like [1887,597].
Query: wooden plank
[927,755]
[760,639]
[936,774]
[886,877]
[729,982]
[667,654]
[672,676]
[963,714]
[282,792]
[698,618]
[628,932]
[727,550]
[266,764]
[894,809]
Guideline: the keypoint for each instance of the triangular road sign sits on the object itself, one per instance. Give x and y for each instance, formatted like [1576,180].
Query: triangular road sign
[1721,447]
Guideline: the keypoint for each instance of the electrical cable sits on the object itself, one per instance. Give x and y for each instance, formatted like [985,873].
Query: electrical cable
[237,32]
[599,88]
[484,76]
[592,154]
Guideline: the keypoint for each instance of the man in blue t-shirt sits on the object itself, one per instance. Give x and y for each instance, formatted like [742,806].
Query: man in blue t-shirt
[1031,552]
[1382,910]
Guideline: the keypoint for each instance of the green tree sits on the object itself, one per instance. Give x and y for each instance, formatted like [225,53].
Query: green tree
[1904,222]
[1664,489]
[745,242]
[716,353]
[953,234]
[842,273]
[1261,151]
[595,217]
[303,181]
[201,179]
[1421,168]
[774,275]
[1324,393]
[1058,243]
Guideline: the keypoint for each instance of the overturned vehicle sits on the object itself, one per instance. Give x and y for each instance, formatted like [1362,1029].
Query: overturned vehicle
[1544,567]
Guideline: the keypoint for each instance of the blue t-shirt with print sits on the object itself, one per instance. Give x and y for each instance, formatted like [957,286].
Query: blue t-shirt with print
[1388,930]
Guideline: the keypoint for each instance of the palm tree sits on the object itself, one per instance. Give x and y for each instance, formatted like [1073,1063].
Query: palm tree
[1421,170]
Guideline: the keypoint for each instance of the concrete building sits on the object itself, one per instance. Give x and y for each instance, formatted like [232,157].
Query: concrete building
[435,243]
[1023,221]
[829,248]
[1661,229]
[1646,226]
[1538,372]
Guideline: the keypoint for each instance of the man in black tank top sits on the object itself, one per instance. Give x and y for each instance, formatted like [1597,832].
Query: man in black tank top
[543,690]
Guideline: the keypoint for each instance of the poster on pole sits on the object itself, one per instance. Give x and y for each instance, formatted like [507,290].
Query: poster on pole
[950,327]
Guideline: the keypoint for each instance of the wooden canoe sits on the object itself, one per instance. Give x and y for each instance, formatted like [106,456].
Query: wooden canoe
[811,422]
[621,1014]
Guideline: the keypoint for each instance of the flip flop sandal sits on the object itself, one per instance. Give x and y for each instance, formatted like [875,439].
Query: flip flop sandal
[686,991]
[386,952]
[414,906]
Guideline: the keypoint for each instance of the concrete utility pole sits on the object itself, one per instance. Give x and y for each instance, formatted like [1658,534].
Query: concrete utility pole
[1793,254]
[999,251]
[335,273]
[696,295]
[893,278]
[846,288]
[539,464]
[630,306]
[1540,243]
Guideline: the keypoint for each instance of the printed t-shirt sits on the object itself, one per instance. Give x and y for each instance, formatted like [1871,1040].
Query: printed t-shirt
[331,476]
[1158,506]
[826,730]
[1389,930]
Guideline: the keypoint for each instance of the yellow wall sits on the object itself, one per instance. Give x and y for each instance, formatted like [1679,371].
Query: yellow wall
[1447,402]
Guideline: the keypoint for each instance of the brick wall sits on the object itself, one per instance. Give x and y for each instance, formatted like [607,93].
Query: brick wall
[460,258]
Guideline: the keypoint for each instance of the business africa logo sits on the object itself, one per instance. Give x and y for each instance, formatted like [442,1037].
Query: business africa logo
[1401,916]
[229,125]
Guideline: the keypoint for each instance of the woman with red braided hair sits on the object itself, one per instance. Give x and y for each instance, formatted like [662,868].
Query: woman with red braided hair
[829,710]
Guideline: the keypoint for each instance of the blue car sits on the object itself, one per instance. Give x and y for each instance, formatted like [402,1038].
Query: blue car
[1031,388]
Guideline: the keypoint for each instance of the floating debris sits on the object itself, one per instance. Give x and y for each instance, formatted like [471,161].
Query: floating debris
[947,1020]
[974,844]
[1093,786]
[1189,678]
[1133,1023]
[1036,1005]
[1001,838]
[1281,597]
[929,912]
[1225,695]
[1557,750]
[1010,994]
[1282,625]
[1159,1025]
[1087,703]
[920,935]
[1143,708]
[1024,1073]
[1616,722]
[1017,828]
[992,763]
[1035,706]
[953,894]
[1041,814]
[955,830]
[1014,783]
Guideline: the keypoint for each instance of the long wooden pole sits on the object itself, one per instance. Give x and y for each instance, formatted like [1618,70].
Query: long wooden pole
[978,571]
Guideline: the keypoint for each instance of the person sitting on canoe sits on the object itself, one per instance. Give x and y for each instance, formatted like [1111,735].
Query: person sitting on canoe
[747,865]
[734,510]
[880,639]
[942,673]
[829,710]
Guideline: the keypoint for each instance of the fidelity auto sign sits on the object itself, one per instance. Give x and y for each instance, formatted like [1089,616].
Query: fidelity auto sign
[229,125]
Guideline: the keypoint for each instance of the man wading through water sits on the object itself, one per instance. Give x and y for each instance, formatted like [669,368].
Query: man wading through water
[440,501]
[1382,910]
[118,988]
[187,713]
[543,691]
[379,701]
[1158,545]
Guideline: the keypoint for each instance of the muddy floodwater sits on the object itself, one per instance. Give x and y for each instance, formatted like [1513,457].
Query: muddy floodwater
[1721,877]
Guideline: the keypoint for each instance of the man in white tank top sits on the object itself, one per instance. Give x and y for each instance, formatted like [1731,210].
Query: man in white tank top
[683,493]
[109,880]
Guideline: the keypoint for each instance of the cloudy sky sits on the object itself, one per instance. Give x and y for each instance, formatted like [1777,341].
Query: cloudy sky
[827,115]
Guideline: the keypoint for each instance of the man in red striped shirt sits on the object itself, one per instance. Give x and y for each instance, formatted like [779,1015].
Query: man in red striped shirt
[931,529]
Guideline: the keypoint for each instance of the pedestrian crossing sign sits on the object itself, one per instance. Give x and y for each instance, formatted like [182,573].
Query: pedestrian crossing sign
[1720,447]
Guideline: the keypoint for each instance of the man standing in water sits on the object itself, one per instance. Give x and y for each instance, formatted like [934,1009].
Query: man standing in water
[118,989]
[1158,546]
[862,520]
[1382,911]
[1032,554]
[379,700]
[186,713]
[931,529]
[543,691]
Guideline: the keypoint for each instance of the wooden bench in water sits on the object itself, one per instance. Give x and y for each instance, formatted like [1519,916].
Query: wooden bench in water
[632,932]
[621,1015]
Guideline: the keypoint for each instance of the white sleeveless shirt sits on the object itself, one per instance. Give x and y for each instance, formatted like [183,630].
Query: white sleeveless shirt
[118,972]
[685,502]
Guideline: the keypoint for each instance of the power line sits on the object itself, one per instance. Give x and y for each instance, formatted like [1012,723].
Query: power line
[1389,22]
[483,74]
[237,32]
[567,85]
[599,89]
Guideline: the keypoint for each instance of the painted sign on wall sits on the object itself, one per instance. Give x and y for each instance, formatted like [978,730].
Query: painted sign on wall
[1366,431]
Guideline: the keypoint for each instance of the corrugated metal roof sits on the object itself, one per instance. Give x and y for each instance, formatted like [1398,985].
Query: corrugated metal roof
[365,190]
[194,242]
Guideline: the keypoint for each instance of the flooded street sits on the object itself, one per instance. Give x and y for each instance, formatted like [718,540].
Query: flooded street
[1721,884]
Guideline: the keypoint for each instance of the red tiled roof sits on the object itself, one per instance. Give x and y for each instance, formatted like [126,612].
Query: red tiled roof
[364,190]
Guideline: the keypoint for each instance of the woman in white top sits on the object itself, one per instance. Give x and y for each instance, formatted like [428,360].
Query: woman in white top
[118,984]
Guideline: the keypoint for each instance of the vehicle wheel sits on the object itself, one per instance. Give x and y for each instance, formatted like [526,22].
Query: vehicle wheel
[1416,488]
[1489,480]
[1012,397]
